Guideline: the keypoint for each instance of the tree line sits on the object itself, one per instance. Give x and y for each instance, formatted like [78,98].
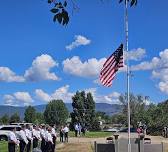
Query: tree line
[57,113]
[155,116]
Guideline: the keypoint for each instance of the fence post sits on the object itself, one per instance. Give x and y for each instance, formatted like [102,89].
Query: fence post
[162,146]
[141,142]
[95,146]
[116,143]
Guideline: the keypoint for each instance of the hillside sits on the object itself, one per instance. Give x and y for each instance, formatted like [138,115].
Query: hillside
[110,109]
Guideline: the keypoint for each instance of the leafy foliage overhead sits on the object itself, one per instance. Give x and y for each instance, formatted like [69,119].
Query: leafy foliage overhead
[59,10]
[61,14]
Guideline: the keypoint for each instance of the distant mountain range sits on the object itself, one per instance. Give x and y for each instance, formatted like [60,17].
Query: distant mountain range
[109,109]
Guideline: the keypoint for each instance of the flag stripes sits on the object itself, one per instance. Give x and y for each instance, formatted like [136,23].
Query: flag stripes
[111,66]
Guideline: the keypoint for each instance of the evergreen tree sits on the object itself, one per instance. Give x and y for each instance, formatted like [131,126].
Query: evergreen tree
[39,118]
[90,114]
[30,114]
[15,118]
[56,113]
[5,119]
[84,111]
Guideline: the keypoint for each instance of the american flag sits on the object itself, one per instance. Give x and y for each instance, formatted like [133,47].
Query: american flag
[111,66]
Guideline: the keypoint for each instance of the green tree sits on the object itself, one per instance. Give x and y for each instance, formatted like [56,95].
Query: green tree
[90,114]
[84,110]
[39,118]
[15,118]
[78,108]
[60,10]
[30,114]
[56,112]
[5,119]
[137,108]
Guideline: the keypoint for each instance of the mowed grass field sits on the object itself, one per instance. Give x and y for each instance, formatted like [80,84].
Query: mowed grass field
[3,146]
[76,147]
[94,134]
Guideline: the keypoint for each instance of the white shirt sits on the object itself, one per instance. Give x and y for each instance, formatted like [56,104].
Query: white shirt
[12,137]
[76,127]
[28,134]
[35,133]
[53,132]
[49,137]
[23,136]
[66,129]
[43,133]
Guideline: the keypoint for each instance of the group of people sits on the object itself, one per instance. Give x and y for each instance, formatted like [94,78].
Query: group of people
[165,132]
[79,129]
[141,129]
[64,133]
[32,137]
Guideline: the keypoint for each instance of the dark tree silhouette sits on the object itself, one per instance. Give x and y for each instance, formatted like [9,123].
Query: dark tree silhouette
[60,11]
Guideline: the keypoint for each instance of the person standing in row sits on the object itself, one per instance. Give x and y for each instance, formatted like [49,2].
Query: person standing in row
[54,136]
[12,141]
[62,134]
[43,137]
[49,143]
[29,138]
[66,130]
[36,136]
[23,139]
[76,130]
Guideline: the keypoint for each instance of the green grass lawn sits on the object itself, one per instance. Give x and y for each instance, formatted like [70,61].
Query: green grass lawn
[3,146]
[93,134]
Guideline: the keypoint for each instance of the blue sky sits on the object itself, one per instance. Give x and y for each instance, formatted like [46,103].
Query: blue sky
[41,60]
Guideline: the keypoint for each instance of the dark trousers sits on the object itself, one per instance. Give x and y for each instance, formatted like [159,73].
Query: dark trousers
[49,147]
[28,147]
[43,145]
[54,144]
[61,137]
[66,136]
[22,146]
[11,147]
[35,142]
[76,133]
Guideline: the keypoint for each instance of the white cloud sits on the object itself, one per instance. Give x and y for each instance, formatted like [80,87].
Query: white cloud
[7,75]
[63,93]
[89,68]
[112,98]
[159,68]
[18,98]
[42,96]
[8,99]
[60,93]
[79,40]
[136,54]
[40,69]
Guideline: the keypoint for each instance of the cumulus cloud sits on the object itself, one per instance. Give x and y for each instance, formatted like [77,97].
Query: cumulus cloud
[7,75]
[65,94]
[79,40]
[89,68]
[112,98]
[135,54]
[40,69]
[159,68]
[62,93]
[42,96]
[21,98]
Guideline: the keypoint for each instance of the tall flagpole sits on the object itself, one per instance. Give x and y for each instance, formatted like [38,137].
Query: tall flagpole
[128,74]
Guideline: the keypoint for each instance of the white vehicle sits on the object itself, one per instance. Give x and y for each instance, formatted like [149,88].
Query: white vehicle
[6,129]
